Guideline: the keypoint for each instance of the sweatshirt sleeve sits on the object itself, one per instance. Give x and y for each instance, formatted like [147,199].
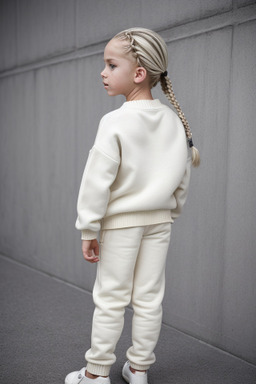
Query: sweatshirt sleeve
[99,174]
[181,192]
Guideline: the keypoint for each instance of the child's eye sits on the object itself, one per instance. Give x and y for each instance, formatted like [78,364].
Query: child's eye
[112,66]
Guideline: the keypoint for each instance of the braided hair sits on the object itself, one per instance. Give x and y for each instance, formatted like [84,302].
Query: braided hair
[150,51]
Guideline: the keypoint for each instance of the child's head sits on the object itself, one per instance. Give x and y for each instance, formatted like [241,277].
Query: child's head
[147,53]
[148,49]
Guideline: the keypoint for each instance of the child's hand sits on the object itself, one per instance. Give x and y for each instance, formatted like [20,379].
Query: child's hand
[90,250]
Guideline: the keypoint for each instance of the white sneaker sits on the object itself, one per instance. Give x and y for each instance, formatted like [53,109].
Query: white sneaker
[78,377]
[134,378]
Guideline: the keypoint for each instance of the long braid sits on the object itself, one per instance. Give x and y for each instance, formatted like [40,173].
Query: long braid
[167,88]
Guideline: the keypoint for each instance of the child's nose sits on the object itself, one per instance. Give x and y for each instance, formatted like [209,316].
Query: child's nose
[103,74]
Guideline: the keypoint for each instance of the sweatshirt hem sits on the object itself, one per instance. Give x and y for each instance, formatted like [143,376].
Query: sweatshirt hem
[136,219]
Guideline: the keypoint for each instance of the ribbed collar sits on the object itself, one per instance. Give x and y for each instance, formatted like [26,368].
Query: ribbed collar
[143,104]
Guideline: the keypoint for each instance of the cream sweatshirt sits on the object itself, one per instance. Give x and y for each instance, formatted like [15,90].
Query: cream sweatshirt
[137,172]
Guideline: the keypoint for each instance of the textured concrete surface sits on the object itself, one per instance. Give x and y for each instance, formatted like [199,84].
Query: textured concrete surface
[45,330]
[51,101]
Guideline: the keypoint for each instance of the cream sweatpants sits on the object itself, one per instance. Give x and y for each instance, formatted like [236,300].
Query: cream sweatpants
[131,269]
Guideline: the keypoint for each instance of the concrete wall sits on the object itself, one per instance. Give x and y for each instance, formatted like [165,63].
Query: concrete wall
[51,100]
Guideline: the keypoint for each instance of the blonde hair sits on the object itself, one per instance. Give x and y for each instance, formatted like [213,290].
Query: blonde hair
[150,52]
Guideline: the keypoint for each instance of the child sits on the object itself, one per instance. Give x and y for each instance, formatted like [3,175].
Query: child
[134,185]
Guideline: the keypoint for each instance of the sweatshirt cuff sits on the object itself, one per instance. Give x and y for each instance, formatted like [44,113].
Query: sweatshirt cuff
[88,235]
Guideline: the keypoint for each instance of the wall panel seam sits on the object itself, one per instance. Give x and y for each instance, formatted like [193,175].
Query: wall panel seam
[187,30]
[16,32]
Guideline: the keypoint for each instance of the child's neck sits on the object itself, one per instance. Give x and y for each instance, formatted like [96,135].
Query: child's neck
[140,94]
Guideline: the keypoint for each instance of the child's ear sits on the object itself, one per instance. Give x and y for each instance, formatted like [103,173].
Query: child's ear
[140,75]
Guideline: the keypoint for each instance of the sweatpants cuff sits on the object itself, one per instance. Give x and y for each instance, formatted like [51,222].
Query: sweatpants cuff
[99,370]
[139,367]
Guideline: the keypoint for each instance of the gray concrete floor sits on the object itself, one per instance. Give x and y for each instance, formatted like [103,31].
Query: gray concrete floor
[45,330]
